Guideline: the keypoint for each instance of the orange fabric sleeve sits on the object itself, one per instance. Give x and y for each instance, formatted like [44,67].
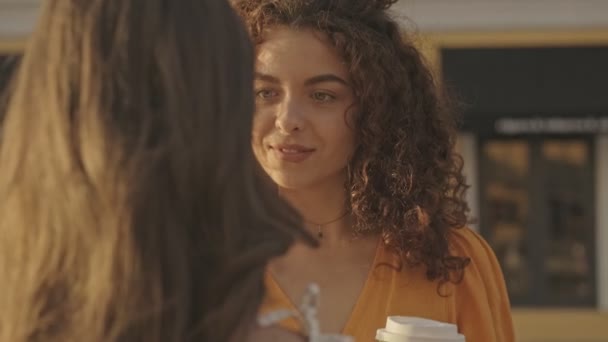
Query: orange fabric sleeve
[482,306]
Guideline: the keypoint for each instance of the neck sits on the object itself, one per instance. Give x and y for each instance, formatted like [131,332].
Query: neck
[323,205]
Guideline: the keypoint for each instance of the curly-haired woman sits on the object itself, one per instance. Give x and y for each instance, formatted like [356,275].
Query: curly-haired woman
[351,127]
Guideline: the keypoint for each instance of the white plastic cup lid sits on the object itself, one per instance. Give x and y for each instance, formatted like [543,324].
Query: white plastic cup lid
[399,328]
[385,336]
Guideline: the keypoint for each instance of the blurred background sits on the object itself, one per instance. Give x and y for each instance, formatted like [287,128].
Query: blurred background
[532,76]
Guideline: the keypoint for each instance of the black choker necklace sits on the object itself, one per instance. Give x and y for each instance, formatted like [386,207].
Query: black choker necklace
[320,225]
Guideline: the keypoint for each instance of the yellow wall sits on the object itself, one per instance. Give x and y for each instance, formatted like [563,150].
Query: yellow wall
[431,43]
[11,46]
[560,325]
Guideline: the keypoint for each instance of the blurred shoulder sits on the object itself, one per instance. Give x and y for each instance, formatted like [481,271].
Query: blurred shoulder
[483,270]
[466,242]
[482,305]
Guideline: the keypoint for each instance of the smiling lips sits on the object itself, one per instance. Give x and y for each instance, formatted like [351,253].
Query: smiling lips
[292,153]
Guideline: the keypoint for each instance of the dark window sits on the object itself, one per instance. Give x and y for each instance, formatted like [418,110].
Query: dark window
[535,112]
[537,212]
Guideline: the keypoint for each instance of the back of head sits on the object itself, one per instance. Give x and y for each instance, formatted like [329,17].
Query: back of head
[131,208]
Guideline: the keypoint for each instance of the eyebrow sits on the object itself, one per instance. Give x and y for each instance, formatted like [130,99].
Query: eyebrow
[266,78]
[325,78]
[311,81]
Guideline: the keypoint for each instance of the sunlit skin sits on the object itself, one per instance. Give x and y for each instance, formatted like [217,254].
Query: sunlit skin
[301,134]
[303,137]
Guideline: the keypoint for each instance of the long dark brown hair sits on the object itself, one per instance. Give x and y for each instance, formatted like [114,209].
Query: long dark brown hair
[131,207]
[405,179]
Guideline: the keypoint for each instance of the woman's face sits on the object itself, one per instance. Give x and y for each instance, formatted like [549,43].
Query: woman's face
[301,134]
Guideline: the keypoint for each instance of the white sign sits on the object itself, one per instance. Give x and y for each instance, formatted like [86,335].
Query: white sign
[512,126]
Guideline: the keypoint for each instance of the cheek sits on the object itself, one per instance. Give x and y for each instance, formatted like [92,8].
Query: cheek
[343,141]
[350,139]
[348,143]
[257,145]
[256,133]
[348,136]
[262,125]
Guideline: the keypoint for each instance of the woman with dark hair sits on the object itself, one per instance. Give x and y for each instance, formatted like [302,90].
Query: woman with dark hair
[131,205]
[352,128]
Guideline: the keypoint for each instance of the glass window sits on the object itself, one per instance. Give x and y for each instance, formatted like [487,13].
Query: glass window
[537,213]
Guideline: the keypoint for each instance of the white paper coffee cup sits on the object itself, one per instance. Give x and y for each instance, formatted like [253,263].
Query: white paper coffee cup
[415,329]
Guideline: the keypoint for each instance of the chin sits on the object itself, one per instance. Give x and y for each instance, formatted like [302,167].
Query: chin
[293,183]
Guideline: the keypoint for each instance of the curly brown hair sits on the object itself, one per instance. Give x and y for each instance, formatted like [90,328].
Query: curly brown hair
[405,180]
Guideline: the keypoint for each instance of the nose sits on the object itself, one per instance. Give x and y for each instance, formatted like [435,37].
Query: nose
[289,118]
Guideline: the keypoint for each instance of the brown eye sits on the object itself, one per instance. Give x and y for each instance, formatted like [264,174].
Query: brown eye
[322,96]
[266,94]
